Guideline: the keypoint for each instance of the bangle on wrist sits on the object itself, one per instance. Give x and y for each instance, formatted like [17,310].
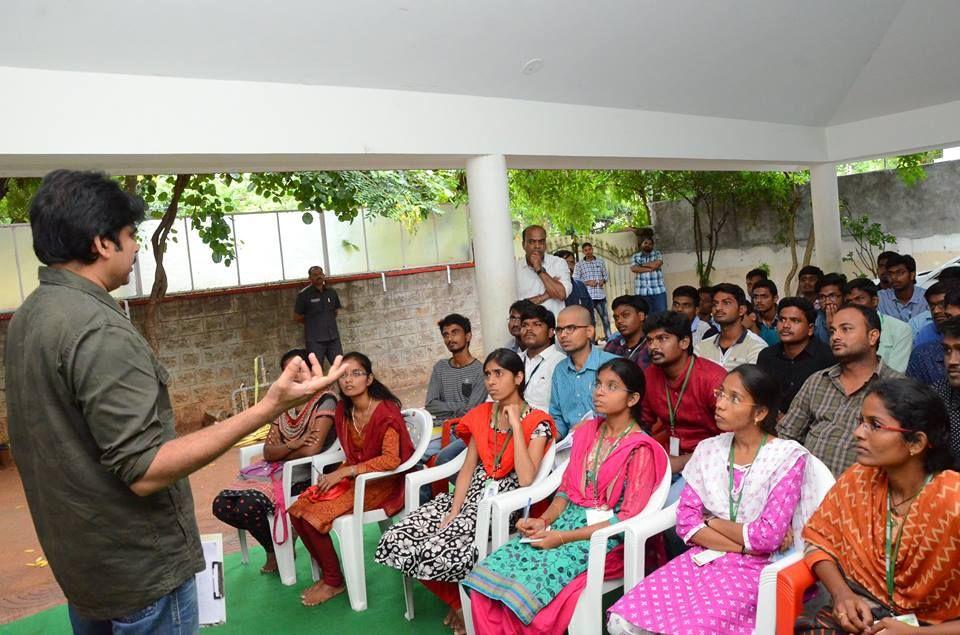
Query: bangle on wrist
[743,549]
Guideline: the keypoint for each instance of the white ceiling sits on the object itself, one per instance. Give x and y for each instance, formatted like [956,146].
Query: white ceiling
[815,62]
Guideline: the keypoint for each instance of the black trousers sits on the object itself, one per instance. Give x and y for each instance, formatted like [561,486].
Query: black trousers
[328,349]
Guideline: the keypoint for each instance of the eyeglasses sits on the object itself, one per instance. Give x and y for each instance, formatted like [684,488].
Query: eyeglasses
[874,426]
[829,296]
[569,330]
[514,318]
[609,387]
[356,374]
[734,399]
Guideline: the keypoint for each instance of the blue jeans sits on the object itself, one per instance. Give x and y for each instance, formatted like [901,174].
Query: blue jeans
[675,544]
[447,454]
[176,613]
[601,307]
[658,302]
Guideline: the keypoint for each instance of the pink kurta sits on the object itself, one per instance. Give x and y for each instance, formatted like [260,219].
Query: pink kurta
[682,598]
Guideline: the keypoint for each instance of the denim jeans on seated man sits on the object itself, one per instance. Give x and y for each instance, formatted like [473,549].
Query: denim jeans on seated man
[675,544]
[176,613]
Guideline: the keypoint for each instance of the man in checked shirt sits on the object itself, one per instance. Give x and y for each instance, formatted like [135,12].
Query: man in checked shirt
[826,411]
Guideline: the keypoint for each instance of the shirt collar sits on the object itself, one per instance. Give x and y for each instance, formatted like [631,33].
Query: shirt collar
[592,363]
[62,277]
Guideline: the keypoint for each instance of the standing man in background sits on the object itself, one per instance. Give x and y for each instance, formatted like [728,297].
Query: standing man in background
[316,308]
[542,278]
[592,271]
[648,265]
[580,295]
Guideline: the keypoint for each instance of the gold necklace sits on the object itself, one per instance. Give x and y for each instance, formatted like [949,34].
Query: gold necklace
[366,412]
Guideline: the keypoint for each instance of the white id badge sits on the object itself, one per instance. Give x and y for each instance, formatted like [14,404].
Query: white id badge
[490,489]
[595,516]
[674,446]
[707,556]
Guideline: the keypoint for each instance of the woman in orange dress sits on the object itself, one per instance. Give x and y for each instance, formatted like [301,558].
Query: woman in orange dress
[374,439]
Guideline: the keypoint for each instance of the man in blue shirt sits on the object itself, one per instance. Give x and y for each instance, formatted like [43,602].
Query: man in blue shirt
[648,265]
[765,297]
[926,361]
[571,394]
[904,299]
[579,294]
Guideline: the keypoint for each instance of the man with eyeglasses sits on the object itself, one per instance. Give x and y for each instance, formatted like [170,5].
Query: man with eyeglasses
[679,401]
[829,297]
[540,357]
[826,411]
[513,325]
[571,391]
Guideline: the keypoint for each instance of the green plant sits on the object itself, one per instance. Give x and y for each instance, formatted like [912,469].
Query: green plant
[870,240]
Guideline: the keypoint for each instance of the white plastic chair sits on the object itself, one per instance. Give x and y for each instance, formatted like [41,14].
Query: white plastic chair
[588,615]
[766,617]
[349,527]
[416,480]
[284,553]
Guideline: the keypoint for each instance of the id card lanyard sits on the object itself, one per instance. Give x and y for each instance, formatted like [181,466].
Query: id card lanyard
[735,504]
[593,474]
[890,548]
[673,410]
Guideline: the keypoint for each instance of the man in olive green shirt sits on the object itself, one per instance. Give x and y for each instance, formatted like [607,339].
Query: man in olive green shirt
[91,423]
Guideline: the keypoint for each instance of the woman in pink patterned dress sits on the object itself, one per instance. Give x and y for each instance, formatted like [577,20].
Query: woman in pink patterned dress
[744,501]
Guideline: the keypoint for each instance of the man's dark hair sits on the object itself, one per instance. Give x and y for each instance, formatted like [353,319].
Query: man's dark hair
[520,306]
[563,253]
[753,273]
[523,234]
[636,301]
[950,273]
[811,270]
[733,289]
[296,352]
[705,289]
[750,308]
[314,268]
[885,256]
[73,208]
[832,280]
[870,315]
[686,291]
[457,319]
[902,259]
[941,286]
[951,328]
[861,284]
[767,284]
[586,245]
[952,298]
[672,322]
[539,312]
[805,306]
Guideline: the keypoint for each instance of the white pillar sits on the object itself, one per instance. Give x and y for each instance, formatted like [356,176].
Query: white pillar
[492,245]
[825,200]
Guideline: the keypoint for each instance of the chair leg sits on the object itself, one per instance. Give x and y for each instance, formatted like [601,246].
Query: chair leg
[582,622]
[467,613]
[244,552]
[351,559]
[286,566]
[408,597]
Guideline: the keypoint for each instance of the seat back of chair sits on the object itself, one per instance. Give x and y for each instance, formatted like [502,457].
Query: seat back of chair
[822,475]
[659,495]
[420,426]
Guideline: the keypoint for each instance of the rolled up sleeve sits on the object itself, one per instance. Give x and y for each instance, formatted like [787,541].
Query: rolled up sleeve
[117,385]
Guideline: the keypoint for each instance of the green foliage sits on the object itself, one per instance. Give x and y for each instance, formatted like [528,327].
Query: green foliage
[870,239]
[909,167]
[576,201]
[15,195]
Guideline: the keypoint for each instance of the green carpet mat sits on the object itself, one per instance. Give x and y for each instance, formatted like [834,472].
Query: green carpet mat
[260,605]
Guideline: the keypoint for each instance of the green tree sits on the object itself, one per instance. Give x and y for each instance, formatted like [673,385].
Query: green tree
[869,238]
[15,195]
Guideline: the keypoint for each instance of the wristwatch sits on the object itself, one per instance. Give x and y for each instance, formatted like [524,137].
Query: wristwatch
[539,271]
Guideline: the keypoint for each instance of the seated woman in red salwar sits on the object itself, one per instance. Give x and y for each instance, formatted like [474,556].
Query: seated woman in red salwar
[374,438]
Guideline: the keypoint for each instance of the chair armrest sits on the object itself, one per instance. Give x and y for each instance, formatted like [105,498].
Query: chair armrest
[415,480]
[324,459]
[502,505]
[597,558]
[639,529]
[767,590]
[288,477]
[250,453]
[792,581]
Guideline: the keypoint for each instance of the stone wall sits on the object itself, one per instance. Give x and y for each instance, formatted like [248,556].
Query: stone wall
[924,218]
[209,341]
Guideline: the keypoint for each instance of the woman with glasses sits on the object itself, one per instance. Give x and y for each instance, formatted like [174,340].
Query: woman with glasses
[250,501]
[533,585]
[506,441]
[742,503]
[885,542]
[374,438]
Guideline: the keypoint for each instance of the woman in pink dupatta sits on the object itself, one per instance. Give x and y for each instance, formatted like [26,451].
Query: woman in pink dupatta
[614,468]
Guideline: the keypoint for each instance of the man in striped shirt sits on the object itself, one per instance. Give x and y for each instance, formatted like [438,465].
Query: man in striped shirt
[592,271]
